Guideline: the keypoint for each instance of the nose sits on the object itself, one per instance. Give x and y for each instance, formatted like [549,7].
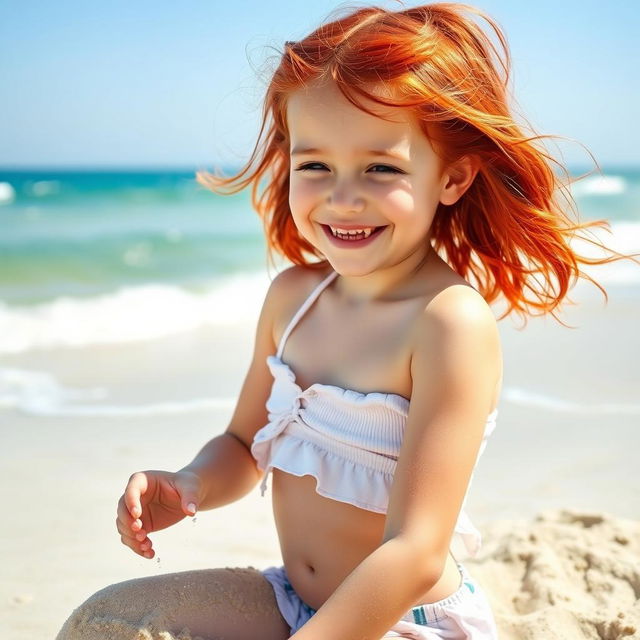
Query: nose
[345,198]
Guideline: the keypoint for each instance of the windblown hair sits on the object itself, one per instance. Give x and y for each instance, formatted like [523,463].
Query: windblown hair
[436,62]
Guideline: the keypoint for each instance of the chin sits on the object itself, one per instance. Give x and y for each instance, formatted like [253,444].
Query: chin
[347,269]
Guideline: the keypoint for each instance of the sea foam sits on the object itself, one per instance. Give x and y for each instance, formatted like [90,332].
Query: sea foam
[40,393]
[131,314]
[525,398]
[604,185]
[153,311]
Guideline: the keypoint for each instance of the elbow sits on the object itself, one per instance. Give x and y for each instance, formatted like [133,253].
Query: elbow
[430,574]
[423,562]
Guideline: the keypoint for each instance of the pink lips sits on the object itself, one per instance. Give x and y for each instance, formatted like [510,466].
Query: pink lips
[351,244]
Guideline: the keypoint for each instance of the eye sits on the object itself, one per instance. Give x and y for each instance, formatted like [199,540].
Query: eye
[384,168]
[376,168]
[311,166]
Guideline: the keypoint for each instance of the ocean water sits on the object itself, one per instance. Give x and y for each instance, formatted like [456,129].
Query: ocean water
[89,257]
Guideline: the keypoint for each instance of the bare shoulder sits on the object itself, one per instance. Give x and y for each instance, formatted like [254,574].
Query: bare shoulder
[458,306]
[289,289]
[285,291]
[457,329]
[297,277]
[452,303]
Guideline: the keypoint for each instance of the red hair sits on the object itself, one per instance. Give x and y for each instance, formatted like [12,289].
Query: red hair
[435,61]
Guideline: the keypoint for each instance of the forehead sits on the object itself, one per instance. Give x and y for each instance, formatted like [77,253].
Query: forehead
[321,111]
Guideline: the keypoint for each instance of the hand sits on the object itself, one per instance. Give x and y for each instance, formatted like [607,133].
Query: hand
[154,500]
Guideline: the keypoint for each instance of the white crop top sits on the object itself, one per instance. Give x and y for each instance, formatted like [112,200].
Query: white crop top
[347,440]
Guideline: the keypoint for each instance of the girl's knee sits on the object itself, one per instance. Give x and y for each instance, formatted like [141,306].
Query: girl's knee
[229,603]
[123,611]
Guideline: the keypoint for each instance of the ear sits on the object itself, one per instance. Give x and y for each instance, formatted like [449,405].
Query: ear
[458,178]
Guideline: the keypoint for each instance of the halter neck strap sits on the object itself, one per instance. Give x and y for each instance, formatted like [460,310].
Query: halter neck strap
[313,296]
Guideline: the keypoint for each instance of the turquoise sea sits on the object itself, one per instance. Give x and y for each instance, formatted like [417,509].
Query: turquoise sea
[109,256]
[84,233]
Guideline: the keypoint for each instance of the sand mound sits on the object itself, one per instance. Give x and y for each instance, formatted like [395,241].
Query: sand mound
[567,574]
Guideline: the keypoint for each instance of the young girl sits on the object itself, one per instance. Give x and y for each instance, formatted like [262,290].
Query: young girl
[392,173]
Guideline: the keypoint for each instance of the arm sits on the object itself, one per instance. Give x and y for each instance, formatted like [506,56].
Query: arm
[455,367]
[223,471]
[225,468]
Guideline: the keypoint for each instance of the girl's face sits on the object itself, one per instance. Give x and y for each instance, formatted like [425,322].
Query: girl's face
[378,181]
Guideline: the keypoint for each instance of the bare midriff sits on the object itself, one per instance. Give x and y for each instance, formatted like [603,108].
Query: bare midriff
[323,540]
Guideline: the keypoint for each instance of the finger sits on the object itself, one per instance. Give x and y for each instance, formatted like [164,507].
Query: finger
[189,506]
[138,542]
[188,487]
[137,486]
[144,548]
[134,544]
[133,531]
[125,520]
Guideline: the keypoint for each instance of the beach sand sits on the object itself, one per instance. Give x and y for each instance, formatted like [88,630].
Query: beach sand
[555,495]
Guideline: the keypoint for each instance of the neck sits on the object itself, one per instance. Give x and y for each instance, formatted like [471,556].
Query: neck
[383,284]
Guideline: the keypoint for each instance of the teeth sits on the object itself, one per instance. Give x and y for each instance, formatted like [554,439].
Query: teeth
[351,232]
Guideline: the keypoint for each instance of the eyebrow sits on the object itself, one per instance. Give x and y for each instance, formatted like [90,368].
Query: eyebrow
[299,151]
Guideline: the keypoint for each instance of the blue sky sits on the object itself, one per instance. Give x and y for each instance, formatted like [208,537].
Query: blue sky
[176,84]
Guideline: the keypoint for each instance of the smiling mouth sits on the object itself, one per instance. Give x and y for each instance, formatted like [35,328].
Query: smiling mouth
[351,235]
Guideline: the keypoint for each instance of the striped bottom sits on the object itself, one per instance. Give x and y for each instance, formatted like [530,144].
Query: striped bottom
[432,612]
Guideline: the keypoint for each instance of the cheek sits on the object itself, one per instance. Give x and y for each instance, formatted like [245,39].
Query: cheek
[397,203]
[410,209]
[303,201]
[302,195]
[401,203]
